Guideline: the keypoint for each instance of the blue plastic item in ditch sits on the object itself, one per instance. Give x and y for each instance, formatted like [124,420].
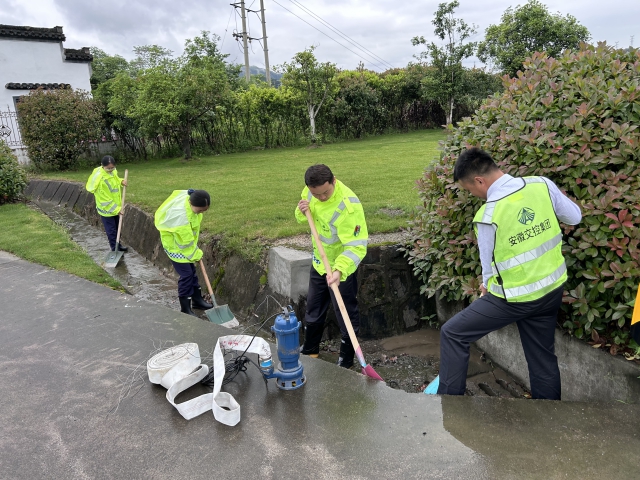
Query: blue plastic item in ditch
[432,388]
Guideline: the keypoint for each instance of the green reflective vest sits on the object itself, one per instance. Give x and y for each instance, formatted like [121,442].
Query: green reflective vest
[179,228]
[341,227]
[527,257]
[107,189]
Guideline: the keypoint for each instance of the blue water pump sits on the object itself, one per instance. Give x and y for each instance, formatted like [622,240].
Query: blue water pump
[289,375]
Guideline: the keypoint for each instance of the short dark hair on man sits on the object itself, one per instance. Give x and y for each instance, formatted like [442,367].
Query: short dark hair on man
[317,175]
[471,163]
[108,160]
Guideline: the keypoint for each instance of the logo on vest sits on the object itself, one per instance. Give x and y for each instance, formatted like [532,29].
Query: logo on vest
[526,216]
[356,231]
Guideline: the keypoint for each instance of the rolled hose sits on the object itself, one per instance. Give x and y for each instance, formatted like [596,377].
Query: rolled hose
[178,368]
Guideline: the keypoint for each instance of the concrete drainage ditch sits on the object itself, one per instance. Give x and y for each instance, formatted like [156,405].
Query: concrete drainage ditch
[395,337]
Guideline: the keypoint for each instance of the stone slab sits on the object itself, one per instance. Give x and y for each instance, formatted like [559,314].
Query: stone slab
[50,191]
[289,271]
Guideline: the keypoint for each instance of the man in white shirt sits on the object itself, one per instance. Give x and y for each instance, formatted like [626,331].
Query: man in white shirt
[523,271]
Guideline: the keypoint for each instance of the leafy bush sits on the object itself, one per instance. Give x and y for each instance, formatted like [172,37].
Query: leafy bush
[13,178]
[57,126]
[574,120]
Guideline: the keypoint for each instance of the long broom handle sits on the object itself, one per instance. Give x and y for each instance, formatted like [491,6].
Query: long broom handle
[208,283]
[124,190]
[336,292]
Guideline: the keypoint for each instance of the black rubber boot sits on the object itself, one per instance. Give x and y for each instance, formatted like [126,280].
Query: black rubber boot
[122,248]
[185,306]
[312,337]
[346,354]
[198,302]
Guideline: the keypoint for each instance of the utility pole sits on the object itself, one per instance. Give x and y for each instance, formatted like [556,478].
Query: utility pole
[247,73]
[266,49]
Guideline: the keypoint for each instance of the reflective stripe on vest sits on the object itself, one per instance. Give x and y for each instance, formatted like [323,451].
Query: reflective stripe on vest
[532,287]
[520,266]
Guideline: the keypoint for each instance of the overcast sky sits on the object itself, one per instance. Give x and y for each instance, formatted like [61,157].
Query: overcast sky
[384,27]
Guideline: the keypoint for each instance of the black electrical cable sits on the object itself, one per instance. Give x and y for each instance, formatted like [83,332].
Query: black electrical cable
[236,364]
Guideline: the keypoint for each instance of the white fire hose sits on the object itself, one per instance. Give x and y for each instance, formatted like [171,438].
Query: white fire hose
[178,368]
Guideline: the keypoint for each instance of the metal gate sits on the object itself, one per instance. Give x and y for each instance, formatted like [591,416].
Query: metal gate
[9,129]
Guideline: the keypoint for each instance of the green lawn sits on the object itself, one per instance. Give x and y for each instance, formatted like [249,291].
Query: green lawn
[31,235]
[254,194]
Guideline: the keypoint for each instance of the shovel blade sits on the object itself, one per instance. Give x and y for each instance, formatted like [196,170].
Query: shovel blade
[112,258]
[222,315]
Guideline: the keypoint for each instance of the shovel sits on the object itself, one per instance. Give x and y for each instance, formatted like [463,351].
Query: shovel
[366,369]
[114,257]
[218,314]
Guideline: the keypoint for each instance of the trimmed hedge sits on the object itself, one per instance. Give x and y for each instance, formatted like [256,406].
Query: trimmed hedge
[13,178]
[575,120]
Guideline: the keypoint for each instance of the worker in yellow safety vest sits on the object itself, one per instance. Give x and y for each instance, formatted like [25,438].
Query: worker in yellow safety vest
[523,270]
[635,319]
[178,221]
[339,219]
[105,184]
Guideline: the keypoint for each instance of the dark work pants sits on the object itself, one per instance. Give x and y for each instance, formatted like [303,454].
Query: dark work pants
[318,302]
[188,278]
[111,227]
[536,322]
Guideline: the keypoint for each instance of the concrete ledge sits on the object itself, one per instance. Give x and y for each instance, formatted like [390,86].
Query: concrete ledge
[588,375]
[289,271]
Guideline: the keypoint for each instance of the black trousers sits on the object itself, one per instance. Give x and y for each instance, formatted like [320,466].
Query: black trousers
[319,296]
[536,322]
[111,228]
[188,278]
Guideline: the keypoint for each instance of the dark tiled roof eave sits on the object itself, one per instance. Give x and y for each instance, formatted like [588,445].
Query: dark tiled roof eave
[34,86]
[32,33]
[78,55]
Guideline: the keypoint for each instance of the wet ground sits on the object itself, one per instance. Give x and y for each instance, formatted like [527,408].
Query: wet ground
[407,362]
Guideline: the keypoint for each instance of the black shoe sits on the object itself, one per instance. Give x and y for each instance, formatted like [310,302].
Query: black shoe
[122,248]
[198,302]
[185,306]
[346,354]
[312,337]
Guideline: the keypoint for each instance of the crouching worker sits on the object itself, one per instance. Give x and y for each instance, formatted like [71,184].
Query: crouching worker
[178,220]
[339,219]
[105,185]
[523,271]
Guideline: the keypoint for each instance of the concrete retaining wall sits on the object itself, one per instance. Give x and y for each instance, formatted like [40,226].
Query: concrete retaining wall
[588,374]
[389,294]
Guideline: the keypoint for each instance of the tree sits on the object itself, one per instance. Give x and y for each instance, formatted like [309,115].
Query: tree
[527,29]
[13,178]
[445,81]
[105,67]
[58,125]
[170,96]
[312,80]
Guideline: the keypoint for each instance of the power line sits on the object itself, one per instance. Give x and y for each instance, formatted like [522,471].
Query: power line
[225,30]
[328,36]
[343,35]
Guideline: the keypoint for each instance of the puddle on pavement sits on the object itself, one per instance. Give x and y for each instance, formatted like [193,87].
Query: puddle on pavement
[406,362]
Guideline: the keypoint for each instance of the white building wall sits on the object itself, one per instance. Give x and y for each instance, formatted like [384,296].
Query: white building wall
[27,61]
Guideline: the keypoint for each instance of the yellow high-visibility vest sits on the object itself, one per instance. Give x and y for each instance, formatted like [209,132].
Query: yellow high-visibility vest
[179,228]
[341,227]
[107,189]
[527,256]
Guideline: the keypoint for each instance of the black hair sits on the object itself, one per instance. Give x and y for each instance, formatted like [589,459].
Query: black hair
[108,160]
[199,198]
[318,175]
[471,163]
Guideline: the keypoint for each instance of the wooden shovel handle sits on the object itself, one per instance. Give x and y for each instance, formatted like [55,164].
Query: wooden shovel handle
[334,287]
[206,279]
[124,191]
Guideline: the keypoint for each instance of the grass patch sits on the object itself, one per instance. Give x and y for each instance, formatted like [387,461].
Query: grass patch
[254,194]
[33,236]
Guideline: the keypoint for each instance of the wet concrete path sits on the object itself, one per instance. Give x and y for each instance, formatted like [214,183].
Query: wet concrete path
[77,404]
